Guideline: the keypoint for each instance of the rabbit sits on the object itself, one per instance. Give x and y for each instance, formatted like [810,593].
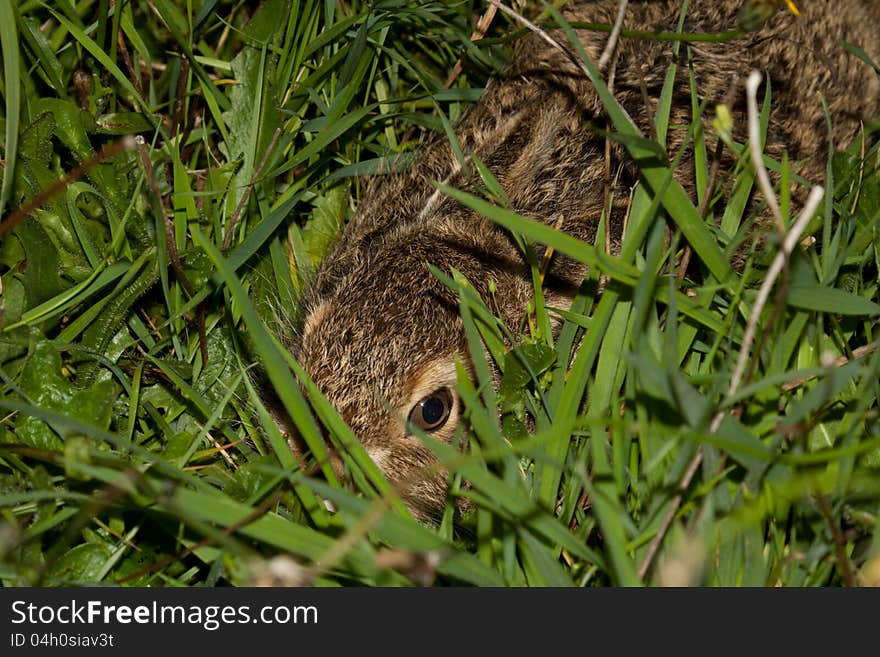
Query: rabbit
[380,335]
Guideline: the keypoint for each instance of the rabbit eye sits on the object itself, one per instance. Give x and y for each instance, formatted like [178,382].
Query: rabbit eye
[431,412]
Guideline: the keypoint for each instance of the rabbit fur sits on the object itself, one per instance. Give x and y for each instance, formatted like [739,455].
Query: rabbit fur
[378,333]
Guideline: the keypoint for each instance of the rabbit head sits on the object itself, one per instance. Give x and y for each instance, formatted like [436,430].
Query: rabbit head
[381,336]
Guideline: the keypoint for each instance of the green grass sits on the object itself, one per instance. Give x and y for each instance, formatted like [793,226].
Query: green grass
[140,307]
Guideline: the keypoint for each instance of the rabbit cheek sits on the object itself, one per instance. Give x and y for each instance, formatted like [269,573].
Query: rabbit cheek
[411,467]
[426,497]
[379,456]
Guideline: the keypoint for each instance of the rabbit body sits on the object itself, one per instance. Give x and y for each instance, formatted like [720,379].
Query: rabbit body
[380,335]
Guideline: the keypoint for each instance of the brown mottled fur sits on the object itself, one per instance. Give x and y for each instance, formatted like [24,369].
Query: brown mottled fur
[380,330]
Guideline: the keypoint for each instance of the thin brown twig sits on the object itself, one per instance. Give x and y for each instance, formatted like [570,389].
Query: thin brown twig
[157,13]
[122,537]
[839,542]
[170,240]
[111,150]
[222,449]
[129,65]
[543,34]
[247,190]
[179,121]
[670,515]
[646,103]
[224,35]
[478,33]
[201,316]
[249,518]
[457,68]
[857,353]
[171,243]
[611,45]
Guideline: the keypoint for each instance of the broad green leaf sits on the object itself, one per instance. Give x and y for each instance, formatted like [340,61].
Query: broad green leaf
[831,300]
